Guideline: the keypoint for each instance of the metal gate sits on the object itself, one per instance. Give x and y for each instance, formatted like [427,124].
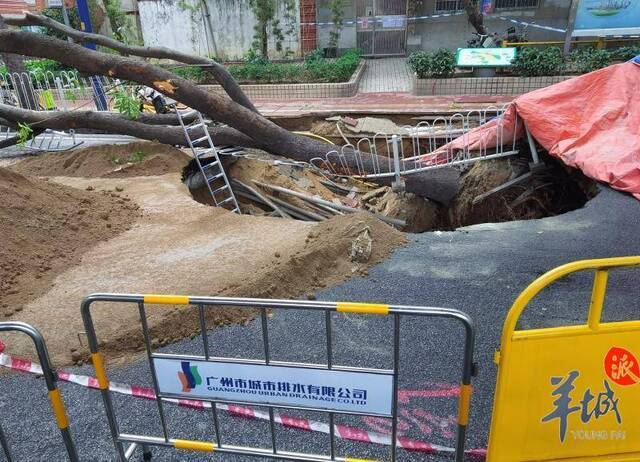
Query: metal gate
[381,27]
[267,382]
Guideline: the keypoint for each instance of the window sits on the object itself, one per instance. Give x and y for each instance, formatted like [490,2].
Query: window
[516,4]
[447,6]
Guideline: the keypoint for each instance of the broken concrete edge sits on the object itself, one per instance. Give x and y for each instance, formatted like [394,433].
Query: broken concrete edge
[301,90]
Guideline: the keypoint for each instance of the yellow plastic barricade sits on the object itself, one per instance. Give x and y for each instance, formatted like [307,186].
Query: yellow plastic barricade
[569,392]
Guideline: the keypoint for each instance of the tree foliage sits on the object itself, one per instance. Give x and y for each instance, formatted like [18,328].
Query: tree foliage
[533,62]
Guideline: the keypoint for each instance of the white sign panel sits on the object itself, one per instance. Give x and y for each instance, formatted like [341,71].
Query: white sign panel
[281,386]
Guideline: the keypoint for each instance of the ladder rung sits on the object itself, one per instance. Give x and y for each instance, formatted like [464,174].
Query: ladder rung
[191,127]
[188,113]
[216,191]
[225,201]
[205,137]
[212,164]
[214,177]
[204,152]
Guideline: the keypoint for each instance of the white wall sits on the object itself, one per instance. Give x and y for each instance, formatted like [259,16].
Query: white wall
[166,23]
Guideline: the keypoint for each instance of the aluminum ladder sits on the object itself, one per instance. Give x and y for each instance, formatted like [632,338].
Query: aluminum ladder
[212,172]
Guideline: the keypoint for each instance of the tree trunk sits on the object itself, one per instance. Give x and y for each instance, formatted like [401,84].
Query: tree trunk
[475,16]
[264,43]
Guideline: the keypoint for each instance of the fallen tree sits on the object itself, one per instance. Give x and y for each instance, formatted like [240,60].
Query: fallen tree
[246,126]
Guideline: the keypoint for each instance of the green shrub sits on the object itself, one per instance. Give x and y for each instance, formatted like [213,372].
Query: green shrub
[315,68]
[312,56]
[38,67]
[533,62]
[590,59]
[443,63]
[626,53]
[440,63]
[420,63]
[194,73]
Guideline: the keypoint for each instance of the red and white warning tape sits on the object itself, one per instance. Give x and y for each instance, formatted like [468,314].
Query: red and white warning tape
[340,431]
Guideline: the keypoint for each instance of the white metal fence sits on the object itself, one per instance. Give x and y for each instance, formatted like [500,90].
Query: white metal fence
[422,147]
[48,91]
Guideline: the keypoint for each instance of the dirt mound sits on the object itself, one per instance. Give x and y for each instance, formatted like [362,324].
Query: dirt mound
[311,257]
[114,160]
[45,228]
[206,251]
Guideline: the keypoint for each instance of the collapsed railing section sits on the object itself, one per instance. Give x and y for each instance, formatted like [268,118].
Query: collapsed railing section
[425,146]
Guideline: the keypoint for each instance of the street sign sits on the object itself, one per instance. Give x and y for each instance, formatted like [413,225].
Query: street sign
[599,18]
[485,57]
[281,386]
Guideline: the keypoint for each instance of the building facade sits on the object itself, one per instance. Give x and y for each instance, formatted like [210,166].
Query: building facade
[385,27]
[226,28]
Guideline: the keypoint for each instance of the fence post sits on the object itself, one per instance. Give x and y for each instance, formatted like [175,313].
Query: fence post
[50,378]
[60,88]
[398,185]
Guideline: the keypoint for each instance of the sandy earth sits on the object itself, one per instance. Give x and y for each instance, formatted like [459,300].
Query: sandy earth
[142,158]
[181,246]
[45,228]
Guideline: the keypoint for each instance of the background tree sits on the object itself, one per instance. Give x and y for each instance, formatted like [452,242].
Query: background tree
[337,15]
[265,13]
[474,15]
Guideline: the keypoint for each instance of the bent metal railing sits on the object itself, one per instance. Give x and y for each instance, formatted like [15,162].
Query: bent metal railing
[427,151]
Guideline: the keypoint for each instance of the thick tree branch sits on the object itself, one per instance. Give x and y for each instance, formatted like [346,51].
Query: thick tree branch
[111,122]
[440,185]
[220,74]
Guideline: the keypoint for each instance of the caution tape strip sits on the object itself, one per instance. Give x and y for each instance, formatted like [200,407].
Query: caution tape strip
[393,22]
[341,431]
[391,19]
[532,24]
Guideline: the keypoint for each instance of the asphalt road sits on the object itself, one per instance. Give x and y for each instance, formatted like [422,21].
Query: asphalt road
[479,270]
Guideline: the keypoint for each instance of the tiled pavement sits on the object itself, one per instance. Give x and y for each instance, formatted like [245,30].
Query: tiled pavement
[386,75]
[384,89]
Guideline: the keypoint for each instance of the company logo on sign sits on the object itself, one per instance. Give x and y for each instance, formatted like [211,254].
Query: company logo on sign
[189,376]
[621,368]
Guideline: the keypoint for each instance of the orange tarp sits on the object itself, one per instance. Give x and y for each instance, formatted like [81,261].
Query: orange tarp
[591,122]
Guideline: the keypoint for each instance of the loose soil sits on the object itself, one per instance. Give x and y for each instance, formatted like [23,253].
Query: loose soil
[112,160]
[176,245]
[45,228]
[554,190]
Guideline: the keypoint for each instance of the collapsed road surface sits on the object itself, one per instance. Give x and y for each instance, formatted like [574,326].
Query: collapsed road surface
[478,269]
